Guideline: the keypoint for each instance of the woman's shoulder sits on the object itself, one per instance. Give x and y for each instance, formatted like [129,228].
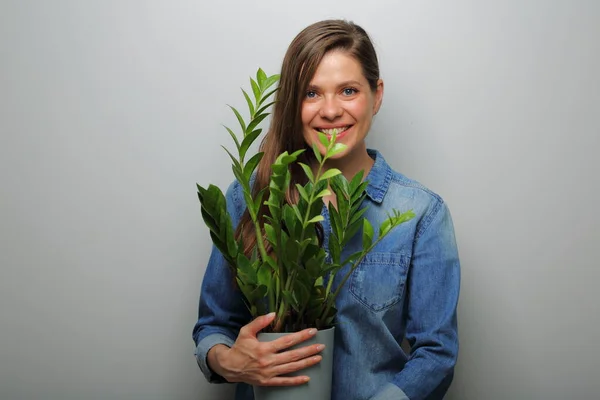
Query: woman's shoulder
[394,183]
[416,189]
[405,193]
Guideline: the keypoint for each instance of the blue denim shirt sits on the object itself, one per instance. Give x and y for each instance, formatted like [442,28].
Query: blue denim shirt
[407,287]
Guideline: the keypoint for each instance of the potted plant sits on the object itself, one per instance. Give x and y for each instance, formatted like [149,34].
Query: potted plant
[292,276]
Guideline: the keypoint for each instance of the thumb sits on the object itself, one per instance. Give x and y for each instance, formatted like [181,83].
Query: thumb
[259,324]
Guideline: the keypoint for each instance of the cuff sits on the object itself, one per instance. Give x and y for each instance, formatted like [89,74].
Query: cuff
[201,354]
[390,392]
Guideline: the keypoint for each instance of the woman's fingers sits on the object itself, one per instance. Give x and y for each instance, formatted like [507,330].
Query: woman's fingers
[283,369]
[256,325]
[291,356]
[292,339]
[281,381]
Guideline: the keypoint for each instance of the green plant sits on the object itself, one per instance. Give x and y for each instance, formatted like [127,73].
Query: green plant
[295,278]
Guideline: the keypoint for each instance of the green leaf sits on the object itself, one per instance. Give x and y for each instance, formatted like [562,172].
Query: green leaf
[357,201]
[385,226]
[258,199]
[343,203]
[280,166]
[263,108]
[359,194]
[352,230]
[297,153]
[247,142]
[323,139]
[290,221]
[264,275]
[266,96]
[336,222]
[352,258]
[270,232]
[274,207]
[395,220]
[238,173]
[312,250]
[302,291]
[335,250]
[245,268]
[291,299]
[359,191]
[210,209]
[246,289]
[292,249]
[317,153]
[254,123]
[250,105]
[270,81]
[323,193]
[234,137]
[336,149]
[252,164]
[342,183]
[234,160]
[405,217]
[255,89]
[209,220]
[297,212]
[258,294]
[356,181]
[239,118]
[367,234]
[302,191]
[318,218]
[313,267]
[261,77]
[308,172]
[357,215]
[219,243]
[330,173]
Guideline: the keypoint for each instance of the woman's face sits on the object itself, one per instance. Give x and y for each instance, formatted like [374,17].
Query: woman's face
[339,97]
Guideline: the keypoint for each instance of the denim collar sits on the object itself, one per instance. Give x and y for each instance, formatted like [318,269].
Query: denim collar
[379,177]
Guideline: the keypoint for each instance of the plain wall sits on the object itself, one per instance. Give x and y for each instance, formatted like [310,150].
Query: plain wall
[111,111]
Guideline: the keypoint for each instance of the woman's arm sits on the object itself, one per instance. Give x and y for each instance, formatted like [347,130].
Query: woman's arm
[433,290]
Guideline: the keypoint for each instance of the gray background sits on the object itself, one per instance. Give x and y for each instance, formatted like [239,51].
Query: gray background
[110,112]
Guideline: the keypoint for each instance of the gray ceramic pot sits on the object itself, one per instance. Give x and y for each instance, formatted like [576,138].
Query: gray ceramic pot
[319,386]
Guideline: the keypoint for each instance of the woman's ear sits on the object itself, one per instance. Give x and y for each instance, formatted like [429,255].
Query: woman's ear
[378,96]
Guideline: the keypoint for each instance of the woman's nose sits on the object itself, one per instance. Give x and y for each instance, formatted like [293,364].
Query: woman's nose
[331,108]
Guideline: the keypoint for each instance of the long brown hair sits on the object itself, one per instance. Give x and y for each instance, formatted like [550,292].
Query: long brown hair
[285,133]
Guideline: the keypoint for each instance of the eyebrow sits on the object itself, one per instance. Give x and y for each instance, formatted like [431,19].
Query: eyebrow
[343,84]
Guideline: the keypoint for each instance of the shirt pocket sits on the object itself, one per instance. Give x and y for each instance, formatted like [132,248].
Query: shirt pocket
[378,281]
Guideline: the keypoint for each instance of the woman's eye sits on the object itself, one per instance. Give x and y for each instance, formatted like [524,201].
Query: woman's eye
[311,94]
[349,91]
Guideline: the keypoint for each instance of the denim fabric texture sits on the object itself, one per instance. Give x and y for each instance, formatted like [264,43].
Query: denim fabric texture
[407,287]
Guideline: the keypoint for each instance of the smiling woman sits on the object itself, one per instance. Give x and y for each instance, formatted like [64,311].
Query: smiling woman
[339,98]
[408,285]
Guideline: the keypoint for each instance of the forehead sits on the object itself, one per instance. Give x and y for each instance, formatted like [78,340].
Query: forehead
[337,66]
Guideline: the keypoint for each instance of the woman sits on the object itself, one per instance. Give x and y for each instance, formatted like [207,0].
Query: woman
[406,288]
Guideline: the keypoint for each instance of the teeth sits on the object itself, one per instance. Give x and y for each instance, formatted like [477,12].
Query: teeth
[329,132]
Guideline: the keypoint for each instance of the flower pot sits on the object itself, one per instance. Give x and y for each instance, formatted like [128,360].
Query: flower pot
[319,386]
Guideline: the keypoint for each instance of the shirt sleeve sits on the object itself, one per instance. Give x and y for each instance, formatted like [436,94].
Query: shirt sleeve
[222,311]
[390,392]
[433,290]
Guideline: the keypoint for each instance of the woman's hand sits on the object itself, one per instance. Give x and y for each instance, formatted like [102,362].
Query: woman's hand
[262,363]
